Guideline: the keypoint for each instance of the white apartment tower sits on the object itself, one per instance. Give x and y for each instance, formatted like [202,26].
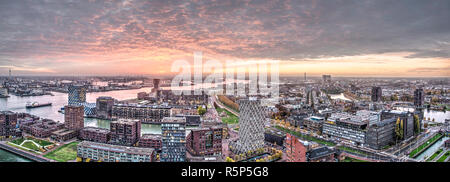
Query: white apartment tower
[251,126]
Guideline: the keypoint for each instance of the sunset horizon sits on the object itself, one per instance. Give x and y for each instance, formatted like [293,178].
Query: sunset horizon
[362,38]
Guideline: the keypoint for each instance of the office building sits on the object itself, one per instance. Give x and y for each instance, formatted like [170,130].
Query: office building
[91,151]
[274,137]
[205,141]
[406,117]
[251,126]
[191,120]
[346,127]
[419,97]
[381,134]
[376,94]
[313,123]
[173,139]
[321,154]
[125,132]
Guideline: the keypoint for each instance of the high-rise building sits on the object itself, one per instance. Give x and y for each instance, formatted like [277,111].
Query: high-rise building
[381,133]
[295,149]
[8,123]
[173,139]
[419,96]
[156,83]
[376,94]
[74,117]
[155,88]
[406,118]
[77,94]
[125,132]
[104,107]
[251,126]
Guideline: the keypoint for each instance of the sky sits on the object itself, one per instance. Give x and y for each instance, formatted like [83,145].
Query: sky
[405,38]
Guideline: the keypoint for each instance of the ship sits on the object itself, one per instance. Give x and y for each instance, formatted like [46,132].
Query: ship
[36,104]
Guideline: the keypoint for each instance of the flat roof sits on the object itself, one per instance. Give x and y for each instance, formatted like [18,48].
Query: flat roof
[95,129]
[151,136]
[174,120]
[117,148]
[125,121]
[63,132]
[143,106]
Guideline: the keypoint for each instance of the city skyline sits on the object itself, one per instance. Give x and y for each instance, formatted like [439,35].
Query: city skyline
[341,38]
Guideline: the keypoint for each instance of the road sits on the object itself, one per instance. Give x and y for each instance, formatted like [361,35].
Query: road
[215,100]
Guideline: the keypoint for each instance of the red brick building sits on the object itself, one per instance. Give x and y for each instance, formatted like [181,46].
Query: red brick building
[205,141]
[125,132]
[74,117]
[296,149]
[94,134]
[8,122]
[42,128]
[151,141]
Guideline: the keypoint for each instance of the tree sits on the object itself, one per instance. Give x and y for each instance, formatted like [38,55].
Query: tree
[417,123]
[201,110]
[228,159]
[399,128]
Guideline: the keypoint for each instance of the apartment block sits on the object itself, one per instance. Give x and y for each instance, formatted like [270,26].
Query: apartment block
[91,151]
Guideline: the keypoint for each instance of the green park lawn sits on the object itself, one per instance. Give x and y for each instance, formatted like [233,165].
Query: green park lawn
[18,141]
[64,153]
[230,118]
[38,141]
[30,145]
[42,142]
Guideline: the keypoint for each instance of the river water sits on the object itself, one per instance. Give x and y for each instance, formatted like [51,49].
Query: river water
[6,156]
